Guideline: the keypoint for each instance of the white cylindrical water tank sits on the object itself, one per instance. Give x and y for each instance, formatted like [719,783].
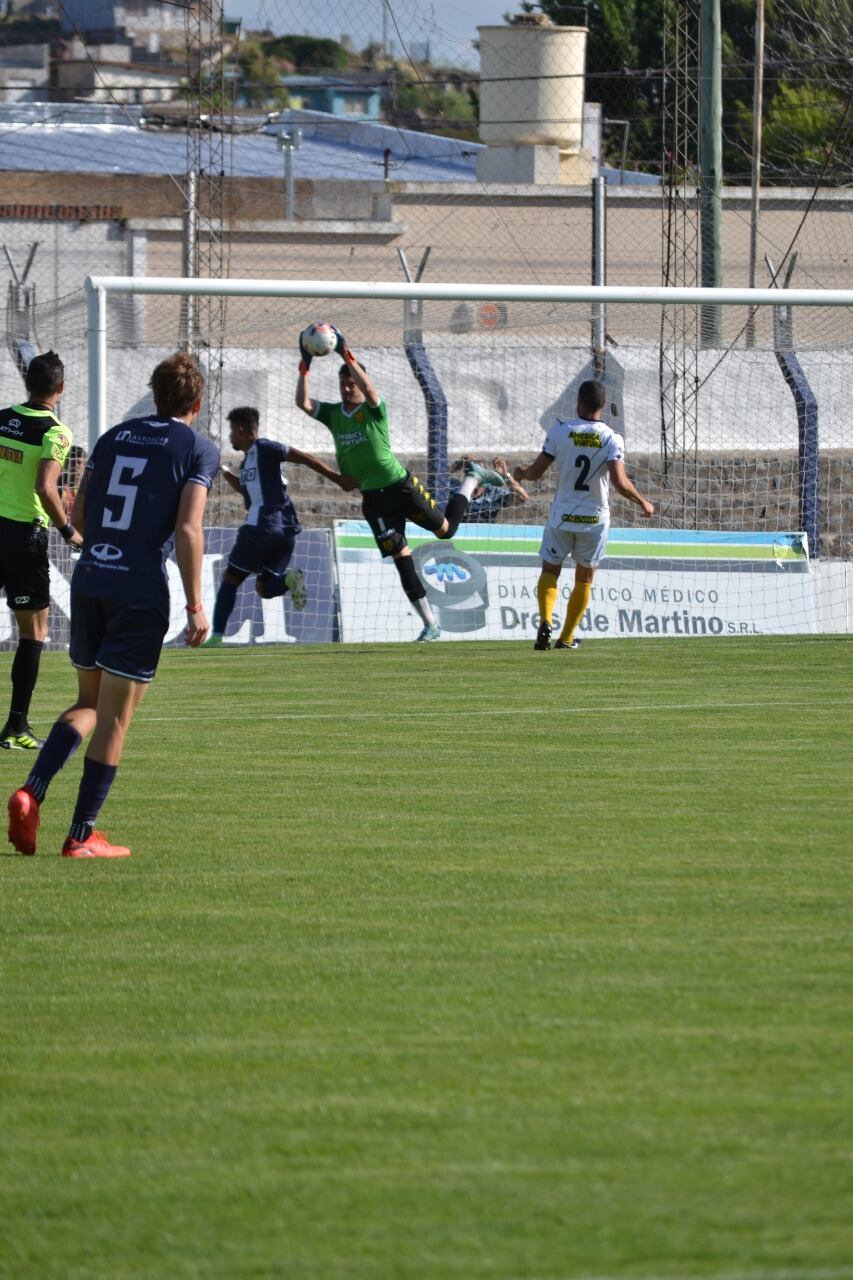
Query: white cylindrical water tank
[532,84]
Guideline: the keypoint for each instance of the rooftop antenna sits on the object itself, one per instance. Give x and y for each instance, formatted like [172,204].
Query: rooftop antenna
[203,320]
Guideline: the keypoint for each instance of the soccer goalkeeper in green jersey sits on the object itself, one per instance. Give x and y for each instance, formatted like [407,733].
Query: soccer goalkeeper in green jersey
[391,495]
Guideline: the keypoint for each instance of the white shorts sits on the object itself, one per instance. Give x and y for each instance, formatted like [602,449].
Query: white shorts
[583,543]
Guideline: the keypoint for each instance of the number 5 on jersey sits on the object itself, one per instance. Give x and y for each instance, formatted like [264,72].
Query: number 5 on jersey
[123,469]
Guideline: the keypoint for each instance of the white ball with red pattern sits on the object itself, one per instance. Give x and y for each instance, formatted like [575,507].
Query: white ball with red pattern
[319,339]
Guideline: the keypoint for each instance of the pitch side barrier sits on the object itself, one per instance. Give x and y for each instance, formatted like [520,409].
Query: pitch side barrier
[482,586]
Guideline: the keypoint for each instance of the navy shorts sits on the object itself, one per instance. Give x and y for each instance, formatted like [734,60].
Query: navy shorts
[387,510]
[264,552]
[24,570]
[116,637]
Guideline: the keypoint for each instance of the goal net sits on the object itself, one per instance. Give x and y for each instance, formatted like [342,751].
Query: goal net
[744,446]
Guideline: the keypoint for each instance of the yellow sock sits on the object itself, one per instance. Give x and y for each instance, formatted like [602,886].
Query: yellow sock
[577,606]
[546,594]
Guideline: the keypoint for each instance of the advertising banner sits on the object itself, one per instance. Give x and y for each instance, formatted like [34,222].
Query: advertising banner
[653,582]
[254,621]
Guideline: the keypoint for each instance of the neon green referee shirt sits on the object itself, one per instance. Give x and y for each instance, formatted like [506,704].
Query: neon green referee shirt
[27,436]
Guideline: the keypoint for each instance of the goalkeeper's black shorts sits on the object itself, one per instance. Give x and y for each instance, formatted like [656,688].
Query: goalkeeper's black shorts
[387,510]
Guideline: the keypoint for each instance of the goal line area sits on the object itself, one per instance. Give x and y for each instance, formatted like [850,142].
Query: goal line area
[743,442]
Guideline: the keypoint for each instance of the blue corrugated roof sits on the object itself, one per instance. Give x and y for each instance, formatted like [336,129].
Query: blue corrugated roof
[94,138]
[103,140]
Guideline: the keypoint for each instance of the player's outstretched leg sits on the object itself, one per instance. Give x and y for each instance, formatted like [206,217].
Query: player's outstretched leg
[226,598]
[485,475]
[294,580]
[459,502]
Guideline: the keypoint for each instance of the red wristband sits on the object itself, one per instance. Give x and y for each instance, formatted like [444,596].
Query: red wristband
[196,608]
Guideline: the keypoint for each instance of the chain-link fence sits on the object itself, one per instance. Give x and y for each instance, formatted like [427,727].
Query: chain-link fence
[375,170]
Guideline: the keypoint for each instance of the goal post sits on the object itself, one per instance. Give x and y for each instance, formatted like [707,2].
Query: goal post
[744,447]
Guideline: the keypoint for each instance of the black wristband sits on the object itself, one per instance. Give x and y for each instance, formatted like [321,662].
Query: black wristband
[68,531]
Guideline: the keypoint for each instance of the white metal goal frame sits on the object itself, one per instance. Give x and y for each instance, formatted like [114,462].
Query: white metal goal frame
[99,288]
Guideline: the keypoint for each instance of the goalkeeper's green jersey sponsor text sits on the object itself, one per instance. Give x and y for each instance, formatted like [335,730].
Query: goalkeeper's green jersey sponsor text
[362,445]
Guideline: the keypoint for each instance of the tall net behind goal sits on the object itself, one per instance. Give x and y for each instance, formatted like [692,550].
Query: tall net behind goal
[752,533]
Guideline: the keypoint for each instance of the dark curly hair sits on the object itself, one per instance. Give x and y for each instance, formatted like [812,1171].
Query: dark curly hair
[176,383]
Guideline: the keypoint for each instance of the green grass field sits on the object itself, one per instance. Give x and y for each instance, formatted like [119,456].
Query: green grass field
[444,961]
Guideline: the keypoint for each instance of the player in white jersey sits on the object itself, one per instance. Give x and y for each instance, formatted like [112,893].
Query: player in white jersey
[590,457]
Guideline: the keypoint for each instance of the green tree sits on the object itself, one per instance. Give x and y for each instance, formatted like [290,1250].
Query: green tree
[802,121]
[308,53]
[259,78]
[807,85]
[808,62]
[435,106]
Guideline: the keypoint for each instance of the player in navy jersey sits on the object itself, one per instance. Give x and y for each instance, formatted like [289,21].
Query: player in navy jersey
[265,542]
[145,490]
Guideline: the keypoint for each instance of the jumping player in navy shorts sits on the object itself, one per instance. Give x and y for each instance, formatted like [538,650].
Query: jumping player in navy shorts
[265,542]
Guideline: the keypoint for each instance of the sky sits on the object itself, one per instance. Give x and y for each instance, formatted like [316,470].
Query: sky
[448,25]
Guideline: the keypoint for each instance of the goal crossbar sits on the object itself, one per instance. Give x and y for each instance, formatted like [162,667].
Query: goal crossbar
[98,288]
[391,289]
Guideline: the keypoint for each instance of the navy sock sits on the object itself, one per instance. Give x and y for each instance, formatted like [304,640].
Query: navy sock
[226,598]
[94,789]
[62,741]
[25,670]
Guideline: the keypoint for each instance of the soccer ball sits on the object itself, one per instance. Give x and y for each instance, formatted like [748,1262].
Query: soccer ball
[319,339]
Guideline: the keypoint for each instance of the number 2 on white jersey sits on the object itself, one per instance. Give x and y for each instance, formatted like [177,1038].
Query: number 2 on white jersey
[582,463]
[127,492]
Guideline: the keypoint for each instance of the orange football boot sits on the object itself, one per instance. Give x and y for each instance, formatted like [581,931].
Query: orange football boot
[97,846]
[23,820]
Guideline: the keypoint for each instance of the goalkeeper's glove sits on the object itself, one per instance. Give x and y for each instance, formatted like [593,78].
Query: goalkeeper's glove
[340,341]
[305,362]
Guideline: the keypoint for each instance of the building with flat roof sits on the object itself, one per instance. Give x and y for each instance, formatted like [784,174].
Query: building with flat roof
[355,97]
[108,80]
[135,17]
[24,72]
